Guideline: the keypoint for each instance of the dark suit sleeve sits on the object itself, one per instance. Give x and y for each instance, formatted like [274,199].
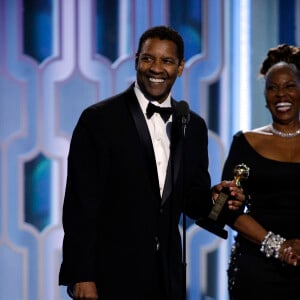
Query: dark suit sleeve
[81,203]
[195,164]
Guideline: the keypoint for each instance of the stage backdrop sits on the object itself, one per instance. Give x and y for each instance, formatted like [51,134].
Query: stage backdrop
[59,56]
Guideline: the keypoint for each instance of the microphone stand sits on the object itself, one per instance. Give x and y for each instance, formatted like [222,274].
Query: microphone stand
[184,122]
[182,110]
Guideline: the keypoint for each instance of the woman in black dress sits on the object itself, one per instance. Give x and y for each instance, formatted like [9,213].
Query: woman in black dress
[265,261]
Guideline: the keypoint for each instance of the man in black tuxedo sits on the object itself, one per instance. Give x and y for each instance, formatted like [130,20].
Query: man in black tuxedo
[131,173]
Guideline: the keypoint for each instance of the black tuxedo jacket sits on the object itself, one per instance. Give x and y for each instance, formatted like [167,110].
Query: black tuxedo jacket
[114,217]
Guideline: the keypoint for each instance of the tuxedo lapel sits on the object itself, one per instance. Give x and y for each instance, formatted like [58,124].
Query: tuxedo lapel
[144,135]
[177,149]
[168,182]
[145,138]
[174,160]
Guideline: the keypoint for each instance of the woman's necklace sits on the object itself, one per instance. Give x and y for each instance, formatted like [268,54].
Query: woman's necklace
[285,135]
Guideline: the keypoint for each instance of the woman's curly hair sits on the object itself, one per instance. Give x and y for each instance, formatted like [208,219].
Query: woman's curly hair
[282,53]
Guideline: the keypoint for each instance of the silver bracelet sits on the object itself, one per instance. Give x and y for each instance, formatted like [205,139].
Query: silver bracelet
[271,244]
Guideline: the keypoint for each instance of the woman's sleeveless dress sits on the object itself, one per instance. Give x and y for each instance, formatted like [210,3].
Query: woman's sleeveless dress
[274,190]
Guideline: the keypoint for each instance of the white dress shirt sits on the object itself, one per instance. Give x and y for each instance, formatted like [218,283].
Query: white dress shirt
[160,135]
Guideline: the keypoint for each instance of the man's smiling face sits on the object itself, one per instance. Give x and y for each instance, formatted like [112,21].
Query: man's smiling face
[157,67]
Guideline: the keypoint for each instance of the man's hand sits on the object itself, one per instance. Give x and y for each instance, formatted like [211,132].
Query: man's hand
[85,290]
[235,192]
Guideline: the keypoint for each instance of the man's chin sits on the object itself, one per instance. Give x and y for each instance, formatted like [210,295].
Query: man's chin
[155,97]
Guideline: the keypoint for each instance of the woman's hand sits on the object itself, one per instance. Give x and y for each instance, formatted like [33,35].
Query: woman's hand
[290,252]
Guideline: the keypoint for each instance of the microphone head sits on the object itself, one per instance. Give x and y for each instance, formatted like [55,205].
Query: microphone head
[182,110]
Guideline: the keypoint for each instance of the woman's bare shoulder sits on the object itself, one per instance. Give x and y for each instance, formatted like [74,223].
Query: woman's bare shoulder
[256,132]
[258,135]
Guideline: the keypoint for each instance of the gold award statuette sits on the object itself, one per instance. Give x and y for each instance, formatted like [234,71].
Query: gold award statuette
[212,222]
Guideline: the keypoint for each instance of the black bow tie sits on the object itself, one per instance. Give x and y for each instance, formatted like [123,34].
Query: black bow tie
[165,112]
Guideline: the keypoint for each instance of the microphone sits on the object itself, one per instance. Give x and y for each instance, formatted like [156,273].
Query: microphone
[182,113]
